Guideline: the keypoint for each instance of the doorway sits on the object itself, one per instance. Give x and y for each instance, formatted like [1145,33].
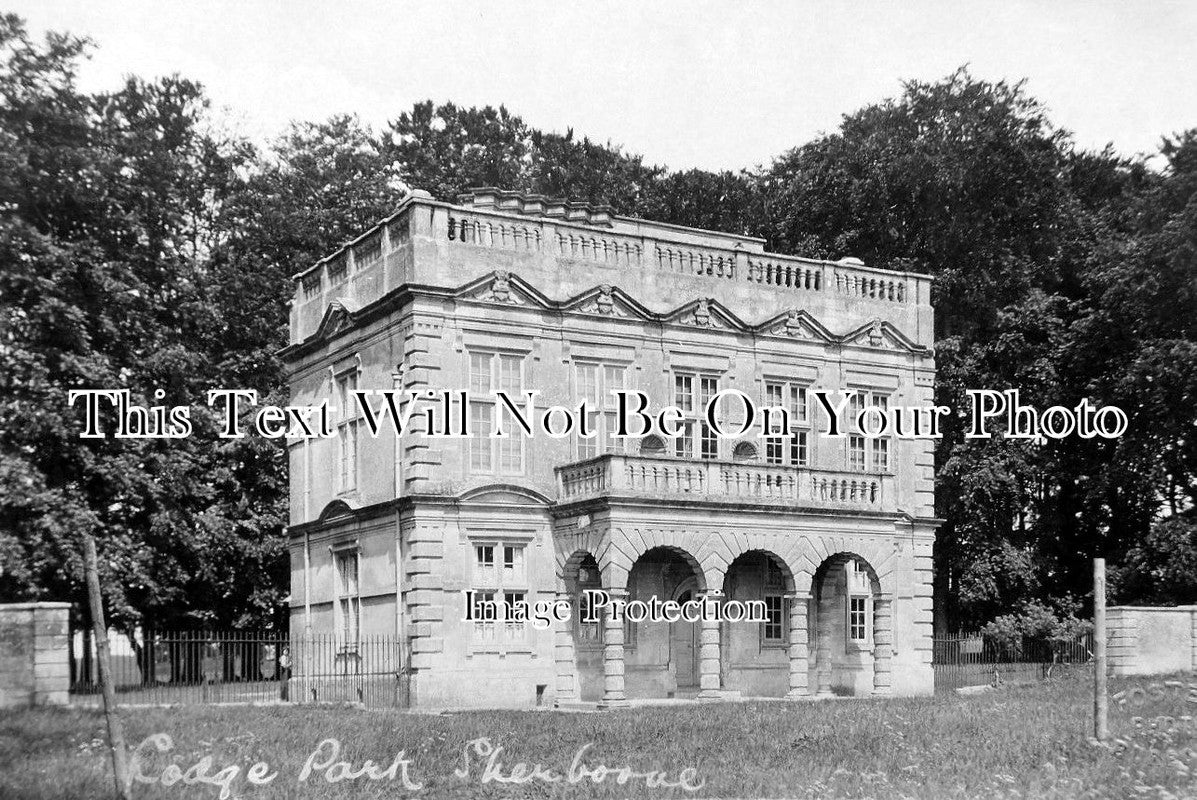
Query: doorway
[683,646]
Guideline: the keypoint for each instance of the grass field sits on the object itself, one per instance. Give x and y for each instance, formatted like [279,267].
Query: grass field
[1016,742]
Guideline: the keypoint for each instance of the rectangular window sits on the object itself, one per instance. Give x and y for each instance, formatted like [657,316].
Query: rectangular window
[347,432]
[867,453]
[799,449]
[514,629]
[774,452]
[880,455]
[773,628]
[595,382]
[795,450]
[500,577]
[481,445]
[691,393]
[856,453]
[349,610]
[491,372]
[858,612]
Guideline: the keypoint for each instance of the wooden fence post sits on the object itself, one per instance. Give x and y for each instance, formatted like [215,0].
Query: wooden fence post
[116,734]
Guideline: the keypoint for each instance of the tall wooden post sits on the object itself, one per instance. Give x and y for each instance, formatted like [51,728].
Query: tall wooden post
[116,734]
[1101,727]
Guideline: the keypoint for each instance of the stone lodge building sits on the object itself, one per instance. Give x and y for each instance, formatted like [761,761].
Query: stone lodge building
[509,291]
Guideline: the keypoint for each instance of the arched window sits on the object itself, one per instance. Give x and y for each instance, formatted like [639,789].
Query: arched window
[652,445]
[744,451]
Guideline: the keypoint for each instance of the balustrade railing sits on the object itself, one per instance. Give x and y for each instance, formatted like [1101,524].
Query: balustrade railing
[647,476]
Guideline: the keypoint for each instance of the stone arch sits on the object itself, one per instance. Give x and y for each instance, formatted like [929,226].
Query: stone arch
[786,570]
[842,557]
[652,445]
[699,549]
[878,554]
[745,452]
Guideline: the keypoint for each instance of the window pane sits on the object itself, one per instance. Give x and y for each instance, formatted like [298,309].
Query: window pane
[798,451]
[708,387]
[773,394]
[710,443]
[511,374]
[480,374]
[880,455]
[856,453]
[683,392]
[613,379]
[798,402]
[588,389]
[480,441]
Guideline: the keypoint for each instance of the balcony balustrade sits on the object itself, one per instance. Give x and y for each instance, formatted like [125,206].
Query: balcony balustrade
[732,481]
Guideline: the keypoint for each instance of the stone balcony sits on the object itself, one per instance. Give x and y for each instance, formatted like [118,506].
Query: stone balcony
[665,478]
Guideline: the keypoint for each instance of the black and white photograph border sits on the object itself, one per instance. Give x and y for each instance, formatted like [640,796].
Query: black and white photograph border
[602,400]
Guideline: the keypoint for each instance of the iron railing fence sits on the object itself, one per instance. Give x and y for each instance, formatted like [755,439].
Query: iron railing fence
[196,667]
[974,659]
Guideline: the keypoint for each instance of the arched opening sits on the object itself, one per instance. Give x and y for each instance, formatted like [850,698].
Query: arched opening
[755,655]
[744,451]
[844,589]
[661,658]
[652,445]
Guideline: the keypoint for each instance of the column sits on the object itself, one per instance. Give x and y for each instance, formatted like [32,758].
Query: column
[710,683]
[883,644]
[826,611]
[563,654]
[799,645]
[613,685]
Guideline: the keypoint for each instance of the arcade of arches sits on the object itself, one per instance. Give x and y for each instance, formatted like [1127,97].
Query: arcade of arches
[829,628]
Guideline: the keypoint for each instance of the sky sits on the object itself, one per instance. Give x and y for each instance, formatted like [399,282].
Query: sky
[696,84]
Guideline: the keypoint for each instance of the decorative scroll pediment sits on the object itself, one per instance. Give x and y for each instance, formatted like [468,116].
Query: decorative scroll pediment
[607,301]
[881,335]
[705,313]
[504,288]
[797,324]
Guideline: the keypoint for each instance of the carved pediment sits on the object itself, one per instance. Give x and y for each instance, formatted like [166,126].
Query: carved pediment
[607,301]
[797,324]
[881,335]
[705,313]
[504,288]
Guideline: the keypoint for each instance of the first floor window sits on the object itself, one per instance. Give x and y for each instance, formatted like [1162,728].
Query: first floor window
[347,430]
[594,383]
[856,453]
[867,453]
[489,373]
[348,608]
[794,451]
[691,394]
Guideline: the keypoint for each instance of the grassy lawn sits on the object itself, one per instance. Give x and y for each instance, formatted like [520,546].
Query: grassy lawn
[1014,742]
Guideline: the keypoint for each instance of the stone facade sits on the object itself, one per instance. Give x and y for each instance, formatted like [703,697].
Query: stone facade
[34,669]
[520,292]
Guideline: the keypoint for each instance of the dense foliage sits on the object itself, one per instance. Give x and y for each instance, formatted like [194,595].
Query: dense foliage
[142,246]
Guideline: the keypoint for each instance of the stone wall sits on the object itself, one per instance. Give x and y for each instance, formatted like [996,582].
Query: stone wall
[34,642]
[1151,640]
